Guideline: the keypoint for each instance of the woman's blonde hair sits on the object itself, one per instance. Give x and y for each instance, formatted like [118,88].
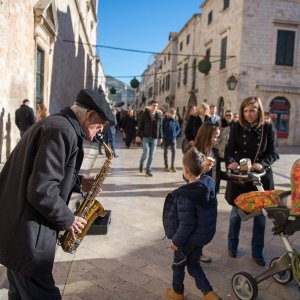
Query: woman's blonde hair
[256,101]
[204,107]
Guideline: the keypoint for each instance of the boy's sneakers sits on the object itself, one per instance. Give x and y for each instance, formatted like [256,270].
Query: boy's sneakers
[171,295]
[212,296]
[166,168]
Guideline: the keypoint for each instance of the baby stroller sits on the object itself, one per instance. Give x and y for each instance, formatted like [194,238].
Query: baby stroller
[286,221]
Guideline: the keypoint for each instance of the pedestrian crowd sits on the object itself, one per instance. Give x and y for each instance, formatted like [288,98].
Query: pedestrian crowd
[49,156]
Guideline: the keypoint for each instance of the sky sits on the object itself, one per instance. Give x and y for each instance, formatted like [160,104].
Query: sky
[140,25]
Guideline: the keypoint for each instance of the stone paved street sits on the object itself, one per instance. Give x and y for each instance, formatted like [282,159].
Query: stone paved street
[132,262]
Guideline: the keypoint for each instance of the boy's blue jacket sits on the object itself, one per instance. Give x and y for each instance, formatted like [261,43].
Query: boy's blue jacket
[190,213]
[170,129]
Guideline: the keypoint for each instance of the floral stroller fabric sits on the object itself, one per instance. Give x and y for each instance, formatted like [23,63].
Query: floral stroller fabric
[255,201]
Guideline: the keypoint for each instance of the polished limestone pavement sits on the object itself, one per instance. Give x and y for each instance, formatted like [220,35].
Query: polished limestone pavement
[132,261]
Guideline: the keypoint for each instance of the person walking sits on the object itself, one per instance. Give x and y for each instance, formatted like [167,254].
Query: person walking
[128,126]
[251,138]
[149,132]
[201,116]
[225,131]
[214,117]
[24,117]
[34,203]
[170,130]
[189,220]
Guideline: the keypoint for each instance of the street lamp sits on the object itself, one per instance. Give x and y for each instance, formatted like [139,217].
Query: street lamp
[232,82]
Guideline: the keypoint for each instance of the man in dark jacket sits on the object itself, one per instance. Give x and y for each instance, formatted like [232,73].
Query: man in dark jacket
[149,132]
[189,219]
[36,184]
[24,117]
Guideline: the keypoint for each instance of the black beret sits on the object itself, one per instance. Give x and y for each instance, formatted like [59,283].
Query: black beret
[92,100]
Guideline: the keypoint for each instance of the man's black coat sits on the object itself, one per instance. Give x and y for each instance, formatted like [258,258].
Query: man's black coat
[36,184]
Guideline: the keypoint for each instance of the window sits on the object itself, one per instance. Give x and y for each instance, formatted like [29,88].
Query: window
[169,56]
[39,75]
[185,74]
[223,53]
[167,82]
[150,92]
[207,54]
[209,17]
[226,4]
[285,48]
[187,39]
[194,72]
[179,77]
[180,46]
[165,59]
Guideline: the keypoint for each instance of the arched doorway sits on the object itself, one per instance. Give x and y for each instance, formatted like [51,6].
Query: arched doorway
[221,107]
[280,114]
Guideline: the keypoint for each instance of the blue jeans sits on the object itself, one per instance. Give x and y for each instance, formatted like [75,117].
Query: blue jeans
[172,145]
[194,268]
[258,233]
[149,146]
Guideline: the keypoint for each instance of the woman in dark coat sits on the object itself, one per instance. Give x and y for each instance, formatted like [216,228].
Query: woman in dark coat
[250,138]
[128,126]
[194,122]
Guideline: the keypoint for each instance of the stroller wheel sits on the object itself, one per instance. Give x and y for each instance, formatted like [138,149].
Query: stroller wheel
[244,286]
[283,277]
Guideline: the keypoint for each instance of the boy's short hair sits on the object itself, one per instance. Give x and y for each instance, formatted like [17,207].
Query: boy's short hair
[194,160]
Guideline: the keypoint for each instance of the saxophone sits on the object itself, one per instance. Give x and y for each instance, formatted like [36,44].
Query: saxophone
[90,208]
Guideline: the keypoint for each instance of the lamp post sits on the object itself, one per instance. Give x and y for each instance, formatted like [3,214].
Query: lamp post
[232,82]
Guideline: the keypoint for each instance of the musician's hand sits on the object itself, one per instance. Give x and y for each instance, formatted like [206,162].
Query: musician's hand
[257,167]
[233,166]
[77,226]
[86,183]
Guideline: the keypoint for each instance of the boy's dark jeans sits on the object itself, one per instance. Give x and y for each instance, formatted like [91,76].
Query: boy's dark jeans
[172,145]
[194,268]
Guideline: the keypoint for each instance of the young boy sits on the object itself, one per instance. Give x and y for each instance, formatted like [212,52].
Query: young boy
[189,219]
[170,130]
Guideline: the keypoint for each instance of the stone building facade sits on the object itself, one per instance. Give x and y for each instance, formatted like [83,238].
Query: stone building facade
[45,56]
[258,42]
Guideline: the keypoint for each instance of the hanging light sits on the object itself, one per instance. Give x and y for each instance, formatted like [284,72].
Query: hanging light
[113,90]
[134,83]
[204,65]
[232,82]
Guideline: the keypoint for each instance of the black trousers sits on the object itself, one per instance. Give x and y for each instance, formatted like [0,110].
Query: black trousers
[22,287]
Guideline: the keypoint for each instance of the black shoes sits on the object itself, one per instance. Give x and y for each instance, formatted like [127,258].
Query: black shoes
[141,169]
[148,172]
[260,261]
[232,253]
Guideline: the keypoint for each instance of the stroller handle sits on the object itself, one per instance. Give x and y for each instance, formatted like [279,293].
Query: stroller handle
[248,177]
